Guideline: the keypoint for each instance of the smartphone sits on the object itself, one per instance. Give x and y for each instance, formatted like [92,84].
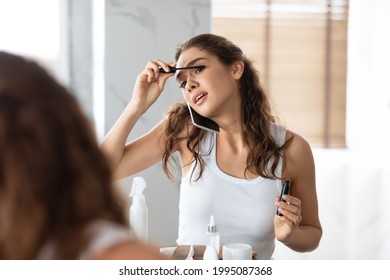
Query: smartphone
[286,189]
[203,122]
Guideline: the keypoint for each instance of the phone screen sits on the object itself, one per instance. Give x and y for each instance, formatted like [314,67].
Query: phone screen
[203,122]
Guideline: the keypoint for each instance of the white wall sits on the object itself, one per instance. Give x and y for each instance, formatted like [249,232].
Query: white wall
[27,29]
[368,106]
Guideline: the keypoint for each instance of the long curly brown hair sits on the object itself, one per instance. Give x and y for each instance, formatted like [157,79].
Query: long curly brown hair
[54,179]
[256,116]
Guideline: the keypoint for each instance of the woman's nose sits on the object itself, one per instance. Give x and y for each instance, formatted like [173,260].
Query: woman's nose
[191,85]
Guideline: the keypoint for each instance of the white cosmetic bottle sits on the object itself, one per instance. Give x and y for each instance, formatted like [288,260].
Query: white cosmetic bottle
[212,249]
[138,210]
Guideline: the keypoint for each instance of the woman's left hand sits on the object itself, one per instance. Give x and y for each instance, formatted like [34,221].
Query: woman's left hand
[286,225]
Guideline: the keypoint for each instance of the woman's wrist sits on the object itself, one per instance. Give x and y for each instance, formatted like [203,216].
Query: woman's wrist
[134,110]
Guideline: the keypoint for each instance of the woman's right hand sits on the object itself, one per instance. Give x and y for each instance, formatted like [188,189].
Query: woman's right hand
[149,85]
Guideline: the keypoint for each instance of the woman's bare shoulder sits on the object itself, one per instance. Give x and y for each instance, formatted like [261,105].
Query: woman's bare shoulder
[298,142]
[298,155]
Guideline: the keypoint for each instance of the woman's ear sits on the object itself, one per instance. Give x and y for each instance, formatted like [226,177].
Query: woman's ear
[238,68]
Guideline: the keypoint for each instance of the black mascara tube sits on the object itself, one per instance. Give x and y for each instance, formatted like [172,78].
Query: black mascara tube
[285,190]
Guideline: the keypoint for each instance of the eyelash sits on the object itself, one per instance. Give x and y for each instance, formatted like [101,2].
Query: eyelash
[198,69]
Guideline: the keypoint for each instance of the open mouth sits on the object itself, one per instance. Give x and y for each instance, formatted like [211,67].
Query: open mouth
[199,97]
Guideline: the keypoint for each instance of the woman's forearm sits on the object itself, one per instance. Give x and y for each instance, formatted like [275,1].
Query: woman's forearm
[114,143]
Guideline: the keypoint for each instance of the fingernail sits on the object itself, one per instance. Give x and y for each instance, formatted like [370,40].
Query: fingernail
[280,210]
[277,203]
[285,197]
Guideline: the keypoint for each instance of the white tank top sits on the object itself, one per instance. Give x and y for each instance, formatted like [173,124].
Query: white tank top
[244,209]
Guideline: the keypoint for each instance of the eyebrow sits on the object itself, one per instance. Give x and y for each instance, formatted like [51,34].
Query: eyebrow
[192,62]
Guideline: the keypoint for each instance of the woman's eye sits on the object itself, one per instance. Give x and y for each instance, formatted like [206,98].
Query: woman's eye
[183,84]
[199,69]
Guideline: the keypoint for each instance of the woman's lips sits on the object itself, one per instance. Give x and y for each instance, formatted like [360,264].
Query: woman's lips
[199,98]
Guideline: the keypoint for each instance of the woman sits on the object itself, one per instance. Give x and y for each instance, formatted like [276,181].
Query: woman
[56,195]
[235,175]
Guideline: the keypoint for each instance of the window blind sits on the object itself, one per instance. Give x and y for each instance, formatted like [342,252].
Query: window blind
[299,48]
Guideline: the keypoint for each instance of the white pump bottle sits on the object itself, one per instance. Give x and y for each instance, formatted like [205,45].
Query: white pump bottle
[138,210]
